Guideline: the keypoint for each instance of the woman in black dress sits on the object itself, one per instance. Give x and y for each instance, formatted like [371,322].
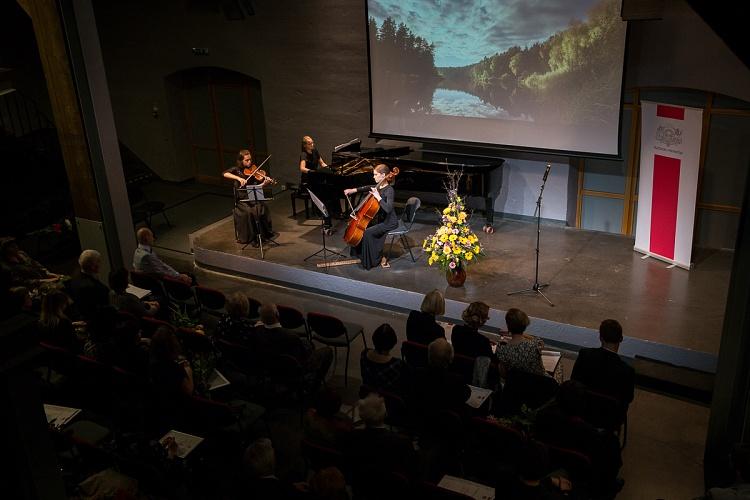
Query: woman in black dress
[370,248]
[421,325]
[251,216]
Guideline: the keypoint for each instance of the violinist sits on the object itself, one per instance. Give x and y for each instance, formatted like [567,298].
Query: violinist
[250,217]
[370,249]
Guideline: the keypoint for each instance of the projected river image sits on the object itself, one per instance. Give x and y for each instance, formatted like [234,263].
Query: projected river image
[459,103]
[556,65]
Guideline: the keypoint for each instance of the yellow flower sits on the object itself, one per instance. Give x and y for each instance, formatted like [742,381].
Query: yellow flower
[468,255]
[444,238]
[457,250]
[477,249]
[463,240]
[447,249]
[452,237]
[447,210]
[434,255]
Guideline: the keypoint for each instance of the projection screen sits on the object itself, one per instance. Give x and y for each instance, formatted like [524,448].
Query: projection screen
[525,74]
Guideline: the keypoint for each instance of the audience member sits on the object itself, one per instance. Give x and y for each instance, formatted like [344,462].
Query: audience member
[379,369]
[235,326]
[562,423]
[328,484]
[375,451]
[22,269]
[88,293]
[124,301]
[602,370]
[54,325]
[171,374]
[131,353]
[271,340]
[522,352]
[100,343]
[260,463]
[324,423]
[466,339]
[435,388]
[740,461]
[145,259]
[421,325]
[533,482]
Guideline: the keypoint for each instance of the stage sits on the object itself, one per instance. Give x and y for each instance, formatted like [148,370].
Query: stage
[668,314]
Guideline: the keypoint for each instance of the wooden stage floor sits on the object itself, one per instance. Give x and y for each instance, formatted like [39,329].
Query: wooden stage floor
[668,314]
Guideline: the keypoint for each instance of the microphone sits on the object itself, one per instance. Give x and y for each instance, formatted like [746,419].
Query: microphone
[546,173]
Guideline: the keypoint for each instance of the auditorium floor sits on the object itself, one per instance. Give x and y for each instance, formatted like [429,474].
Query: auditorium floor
[593,275]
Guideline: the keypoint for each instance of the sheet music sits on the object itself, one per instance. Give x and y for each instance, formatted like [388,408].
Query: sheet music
[59,416]
[478,396]
[185,442]
[468,488]
[550,359]
[216,380]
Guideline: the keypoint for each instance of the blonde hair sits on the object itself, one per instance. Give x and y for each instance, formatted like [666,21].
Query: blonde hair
[88,258]
[476,314]
[237,305]
[372,409]
[433,303]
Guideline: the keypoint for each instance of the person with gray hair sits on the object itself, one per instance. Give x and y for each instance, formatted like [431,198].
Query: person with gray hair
[375,450]
[146,261]
[260,464]
[236,325]
[271,340]
[436,388]
[88,293]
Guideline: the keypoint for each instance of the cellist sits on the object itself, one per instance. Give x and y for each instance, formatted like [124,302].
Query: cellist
[370,249]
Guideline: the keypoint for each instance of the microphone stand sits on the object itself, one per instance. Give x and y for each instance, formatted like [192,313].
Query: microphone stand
[536,287]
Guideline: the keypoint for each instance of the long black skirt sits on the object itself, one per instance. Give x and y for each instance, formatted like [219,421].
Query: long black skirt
[370,248]
[251,217]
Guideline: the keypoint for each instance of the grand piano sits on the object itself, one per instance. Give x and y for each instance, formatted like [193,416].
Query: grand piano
[420,171]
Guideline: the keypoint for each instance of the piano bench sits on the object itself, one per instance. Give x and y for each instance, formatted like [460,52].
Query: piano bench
[297,194]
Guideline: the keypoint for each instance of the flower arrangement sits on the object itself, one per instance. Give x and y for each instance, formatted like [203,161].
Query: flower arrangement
[453,245]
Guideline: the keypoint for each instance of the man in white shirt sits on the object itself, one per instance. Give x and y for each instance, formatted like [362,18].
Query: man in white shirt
[145,259]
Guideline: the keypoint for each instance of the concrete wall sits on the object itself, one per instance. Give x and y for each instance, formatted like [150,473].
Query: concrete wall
[311,59]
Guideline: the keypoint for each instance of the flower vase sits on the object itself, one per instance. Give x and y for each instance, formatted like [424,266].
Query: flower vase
[456,277]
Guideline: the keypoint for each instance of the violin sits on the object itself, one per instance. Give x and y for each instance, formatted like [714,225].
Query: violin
[257,173]
[365,212]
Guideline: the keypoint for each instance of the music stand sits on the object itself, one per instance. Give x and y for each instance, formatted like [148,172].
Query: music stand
[255,194]
[323,216]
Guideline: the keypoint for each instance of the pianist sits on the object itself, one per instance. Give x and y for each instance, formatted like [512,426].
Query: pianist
[310,161]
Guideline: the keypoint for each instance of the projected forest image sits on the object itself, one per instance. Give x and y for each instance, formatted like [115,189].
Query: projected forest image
[524,60]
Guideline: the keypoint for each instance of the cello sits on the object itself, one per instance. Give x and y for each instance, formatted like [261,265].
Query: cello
[365,212]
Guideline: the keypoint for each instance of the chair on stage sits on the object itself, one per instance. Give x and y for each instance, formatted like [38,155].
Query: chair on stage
[404,226]
[333,332]
[300,193]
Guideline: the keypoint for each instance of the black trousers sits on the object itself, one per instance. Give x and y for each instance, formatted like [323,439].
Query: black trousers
[251,218]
